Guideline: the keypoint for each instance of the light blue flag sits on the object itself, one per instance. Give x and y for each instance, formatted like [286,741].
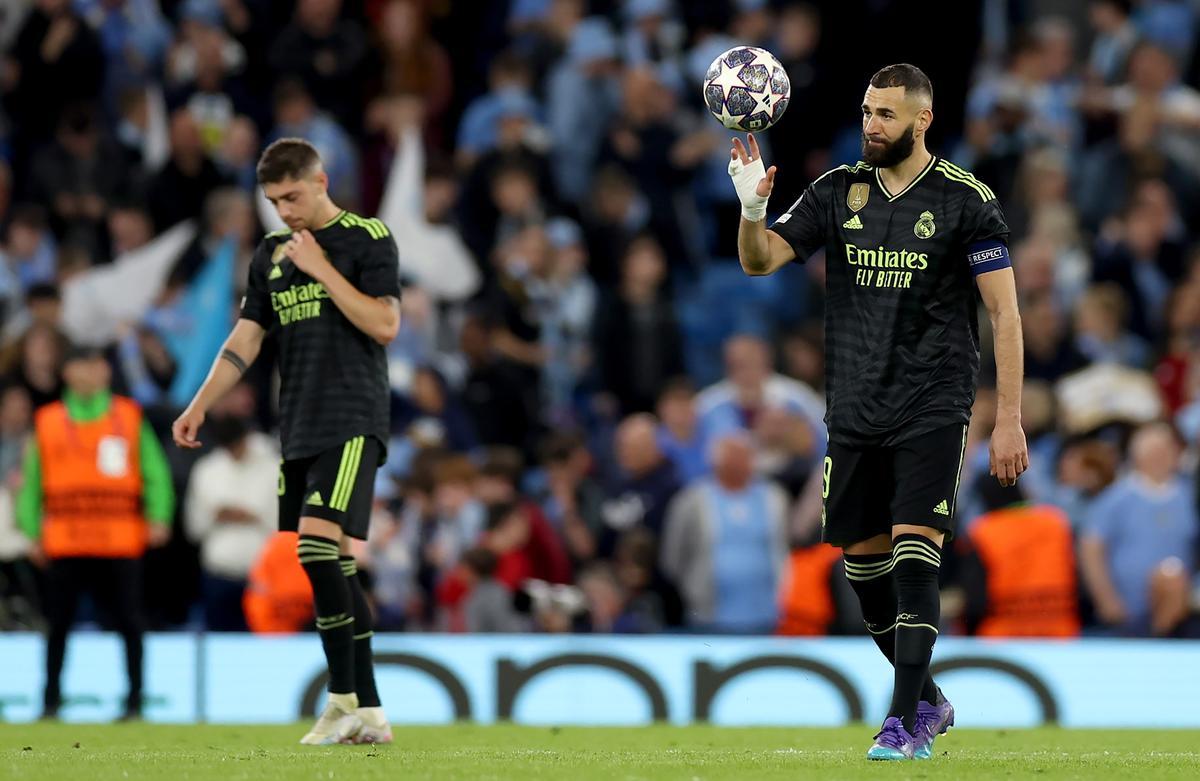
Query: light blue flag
[208,303]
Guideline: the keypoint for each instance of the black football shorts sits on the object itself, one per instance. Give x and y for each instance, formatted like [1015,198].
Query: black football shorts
[336,485]
[868,490]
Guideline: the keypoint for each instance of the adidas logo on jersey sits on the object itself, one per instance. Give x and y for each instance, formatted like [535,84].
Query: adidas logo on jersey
[942,508]
[315,500]
[854,224]
[276,273]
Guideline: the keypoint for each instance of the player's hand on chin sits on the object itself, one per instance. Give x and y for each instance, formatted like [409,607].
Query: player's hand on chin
[307,254]
[1009,455]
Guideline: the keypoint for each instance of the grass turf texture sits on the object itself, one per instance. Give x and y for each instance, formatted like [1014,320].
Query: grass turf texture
[48,752]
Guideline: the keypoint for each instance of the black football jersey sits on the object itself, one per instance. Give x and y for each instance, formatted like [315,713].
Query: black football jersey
[333,377]
[901,329]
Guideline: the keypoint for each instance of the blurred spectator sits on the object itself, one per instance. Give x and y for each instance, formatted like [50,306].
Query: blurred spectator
[297,116]
[1154,86]
[652,140]
[497,484]
[1100,334]
[238,154]
[205,77]
[646,486]
[501,403]
[1049,353]
[77,177]
[679,433]
[567,326]
[1140,537]
[784,415]
[231,511]
[1115,37]
[29,248]
[129,228]
[414,63]
[96,492]
[134,36]
[574,501]
[725,544]
[1018,567]
[56,61]
[433,413]
[278,595]
[489,606]
[614,216]
[637,340]
[583,95]
[652,603]
[1144,261]
[460,517]
[179,190]
[510,83]
[35,363]
[328,52]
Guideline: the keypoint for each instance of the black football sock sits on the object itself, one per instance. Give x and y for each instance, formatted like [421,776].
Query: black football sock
[364,664]
[915,564]
[870,575]
[335,616]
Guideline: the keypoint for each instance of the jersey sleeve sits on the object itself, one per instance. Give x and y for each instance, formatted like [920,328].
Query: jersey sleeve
[986,236]
[256,304]
[379,274]
[805,225]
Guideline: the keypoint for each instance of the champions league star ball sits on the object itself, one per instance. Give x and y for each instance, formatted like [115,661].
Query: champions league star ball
[747,89]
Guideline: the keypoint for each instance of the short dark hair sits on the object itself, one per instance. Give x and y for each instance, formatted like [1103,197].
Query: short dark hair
[287,158]
[912,78]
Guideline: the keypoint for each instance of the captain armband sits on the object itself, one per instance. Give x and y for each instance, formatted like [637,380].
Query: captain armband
[985,256]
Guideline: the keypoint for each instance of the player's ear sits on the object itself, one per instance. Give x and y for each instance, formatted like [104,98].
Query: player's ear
[924,119]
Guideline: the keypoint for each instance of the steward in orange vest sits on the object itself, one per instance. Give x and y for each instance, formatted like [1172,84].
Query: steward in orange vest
[278,598]
[1019,573]
[807,599]
[96,490]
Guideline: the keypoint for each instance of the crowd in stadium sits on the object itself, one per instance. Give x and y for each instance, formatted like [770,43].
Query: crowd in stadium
[599,422]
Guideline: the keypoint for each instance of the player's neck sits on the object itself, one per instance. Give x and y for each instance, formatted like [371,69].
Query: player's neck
[901,175]
[325,215]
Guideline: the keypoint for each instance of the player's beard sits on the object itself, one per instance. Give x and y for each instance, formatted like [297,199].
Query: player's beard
[893,154]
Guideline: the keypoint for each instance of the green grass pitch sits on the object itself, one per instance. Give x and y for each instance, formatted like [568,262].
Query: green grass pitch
[49,752]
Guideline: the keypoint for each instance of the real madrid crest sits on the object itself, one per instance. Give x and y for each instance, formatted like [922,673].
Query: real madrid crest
[857,197]
[924,227]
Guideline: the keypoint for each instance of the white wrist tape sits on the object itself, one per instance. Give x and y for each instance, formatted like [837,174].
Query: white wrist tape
[745,180]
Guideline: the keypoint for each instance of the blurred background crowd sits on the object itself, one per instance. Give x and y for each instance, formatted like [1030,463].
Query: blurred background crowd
[599,423]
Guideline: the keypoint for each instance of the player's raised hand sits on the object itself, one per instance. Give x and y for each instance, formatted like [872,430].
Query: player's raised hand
[752,182]
[1008,454]
[306,253]
[186,427]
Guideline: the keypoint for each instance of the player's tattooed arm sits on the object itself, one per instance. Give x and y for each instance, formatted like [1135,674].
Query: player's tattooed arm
[235,359]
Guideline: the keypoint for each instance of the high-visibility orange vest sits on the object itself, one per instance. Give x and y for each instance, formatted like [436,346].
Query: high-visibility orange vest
[1029,559]
[278,598]
[92,482]
[806,599]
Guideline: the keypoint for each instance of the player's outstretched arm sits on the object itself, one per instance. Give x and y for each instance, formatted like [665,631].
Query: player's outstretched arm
[760,251]
[238,352]
[1009,453]
[378,318]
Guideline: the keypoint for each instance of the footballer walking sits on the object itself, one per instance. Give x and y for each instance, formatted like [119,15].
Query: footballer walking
[908,237]
[328,289]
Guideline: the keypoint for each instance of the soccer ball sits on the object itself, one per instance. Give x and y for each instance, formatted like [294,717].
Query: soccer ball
[747,89]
